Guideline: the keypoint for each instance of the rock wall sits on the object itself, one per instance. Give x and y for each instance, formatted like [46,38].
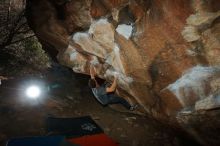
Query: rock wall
[165,52]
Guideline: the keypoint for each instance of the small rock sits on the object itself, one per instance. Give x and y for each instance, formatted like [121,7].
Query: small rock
[130,118]
[107,130]
[123,135]
[96,118]
[119,129]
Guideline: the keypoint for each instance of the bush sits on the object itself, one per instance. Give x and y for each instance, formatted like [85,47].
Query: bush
[24,57]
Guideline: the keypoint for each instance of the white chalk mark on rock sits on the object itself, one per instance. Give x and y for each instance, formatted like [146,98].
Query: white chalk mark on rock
[125,30]
[195,82]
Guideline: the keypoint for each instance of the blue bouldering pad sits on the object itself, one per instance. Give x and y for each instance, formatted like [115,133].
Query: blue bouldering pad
[40,141]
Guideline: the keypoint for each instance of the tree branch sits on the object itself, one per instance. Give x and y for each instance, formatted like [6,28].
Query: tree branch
[14,42]
[24,32]
[19,27]
[9,11]
[7,41]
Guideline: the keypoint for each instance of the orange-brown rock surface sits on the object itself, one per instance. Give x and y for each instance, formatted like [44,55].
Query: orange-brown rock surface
[165,52]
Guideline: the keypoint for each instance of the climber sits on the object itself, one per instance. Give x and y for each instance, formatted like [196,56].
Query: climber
[105,93]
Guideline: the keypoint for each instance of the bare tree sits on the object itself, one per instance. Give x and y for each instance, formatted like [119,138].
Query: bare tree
[20,51]
[13,25]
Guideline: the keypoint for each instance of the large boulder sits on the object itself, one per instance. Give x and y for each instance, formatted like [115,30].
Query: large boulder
[165,52]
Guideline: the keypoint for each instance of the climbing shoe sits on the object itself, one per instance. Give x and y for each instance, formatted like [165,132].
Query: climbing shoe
[133,107]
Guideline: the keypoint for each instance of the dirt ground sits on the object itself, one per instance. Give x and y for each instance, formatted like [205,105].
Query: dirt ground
[20,116]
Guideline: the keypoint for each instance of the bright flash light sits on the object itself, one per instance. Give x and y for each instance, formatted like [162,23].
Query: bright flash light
[33,92]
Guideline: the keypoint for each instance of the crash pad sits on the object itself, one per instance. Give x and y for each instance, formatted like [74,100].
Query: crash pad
[94,140]
[72,127]
[40,141]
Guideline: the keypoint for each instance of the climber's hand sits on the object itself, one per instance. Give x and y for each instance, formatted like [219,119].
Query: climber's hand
[116,74]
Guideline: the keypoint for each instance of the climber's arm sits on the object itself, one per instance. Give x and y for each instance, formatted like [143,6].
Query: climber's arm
[92,72]
[113,86]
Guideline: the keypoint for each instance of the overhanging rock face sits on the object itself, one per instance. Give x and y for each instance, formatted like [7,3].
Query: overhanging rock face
[165,52]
